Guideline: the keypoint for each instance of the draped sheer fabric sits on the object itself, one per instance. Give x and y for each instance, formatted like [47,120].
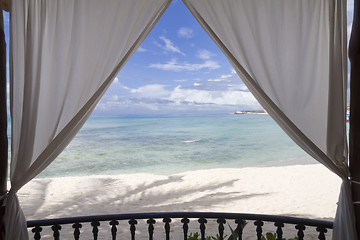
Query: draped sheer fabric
[292,57]
[64,55]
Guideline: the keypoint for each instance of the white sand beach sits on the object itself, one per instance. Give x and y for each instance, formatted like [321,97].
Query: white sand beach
[309,191]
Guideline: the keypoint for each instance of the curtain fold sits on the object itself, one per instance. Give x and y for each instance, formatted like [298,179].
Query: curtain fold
[63,57]
[292,57]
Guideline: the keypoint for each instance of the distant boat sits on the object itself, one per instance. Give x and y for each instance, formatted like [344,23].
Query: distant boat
[239,112]
[251,112]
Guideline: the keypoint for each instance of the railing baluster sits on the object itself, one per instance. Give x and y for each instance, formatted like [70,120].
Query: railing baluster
[95,231]
[221,223]
[322,227]
[202,222]
[258,224]
[185,222]
[76,227]
[56,228]
[167,222]
[279,231]
[113,224]
[37,230]
[300,229]
[151,223]
[132,223]
[240,226]
[322,232]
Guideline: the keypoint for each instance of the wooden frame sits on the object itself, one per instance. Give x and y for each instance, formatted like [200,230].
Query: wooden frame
[354,133]
[3,123]
[354,138]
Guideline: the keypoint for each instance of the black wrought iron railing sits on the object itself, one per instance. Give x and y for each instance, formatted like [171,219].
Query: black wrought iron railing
[181,221]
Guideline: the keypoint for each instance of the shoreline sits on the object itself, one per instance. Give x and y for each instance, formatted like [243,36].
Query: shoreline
[172,169]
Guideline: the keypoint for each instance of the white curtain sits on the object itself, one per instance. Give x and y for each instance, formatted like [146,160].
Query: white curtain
[64,55]
[292,57]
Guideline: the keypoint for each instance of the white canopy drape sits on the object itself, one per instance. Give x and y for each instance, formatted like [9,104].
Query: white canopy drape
[292,57]
[64,55]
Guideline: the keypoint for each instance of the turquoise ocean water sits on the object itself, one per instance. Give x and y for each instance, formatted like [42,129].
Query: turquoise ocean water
[167,145]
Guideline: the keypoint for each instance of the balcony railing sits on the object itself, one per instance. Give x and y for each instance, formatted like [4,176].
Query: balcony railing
[175,225]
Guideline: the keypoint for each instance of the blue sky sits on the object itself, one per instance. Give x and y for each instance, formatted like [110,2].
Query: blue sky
[178,69]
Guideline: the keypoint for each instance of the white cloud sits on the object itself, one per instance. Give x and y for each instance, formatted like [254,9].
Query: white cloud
[185,32]
[169,46]
[118,86]
[225,82]
[151,91]
[221,78]
[238,98]
[227,90]
[205,54]
[127,106]
[124,87]
[227,93]
[141,49]
[113,98]
[173,65]
[116,80]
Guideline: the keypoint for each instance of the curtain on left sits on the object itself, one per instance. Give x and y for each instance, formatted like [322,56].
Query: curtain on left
[63,57]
